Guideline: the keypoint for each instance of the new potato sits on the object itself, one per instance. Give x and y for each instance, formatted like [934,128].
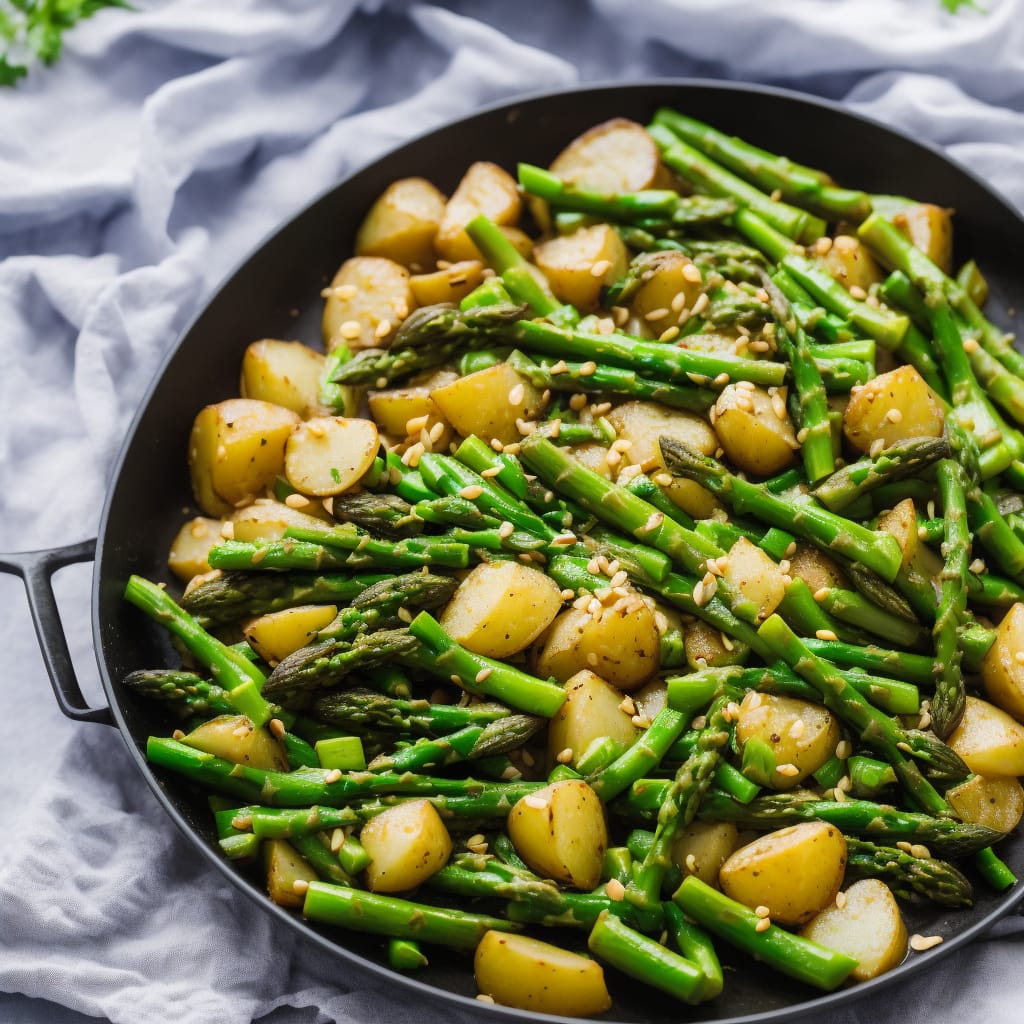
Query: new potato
[989,740]
[1001,673]
[489,402]
[753,434]
[894,406]
[277,634]
[485,188]
[402,223]
[407,844]
[235,738]
[328,455]
[286,373]
[591,711]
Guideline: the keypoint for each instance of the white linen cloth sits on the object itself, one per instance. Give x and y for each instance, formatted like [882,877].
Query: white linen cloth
[133,176]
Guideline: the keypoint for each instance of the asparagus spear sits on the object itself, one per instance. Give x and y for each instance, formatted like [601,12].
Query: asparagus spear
[769,172]
[230,596]
[697,946]
[386,515]
[908,876]
[788,953]
[398,918]
[715,180]
[832,533]
[644,754]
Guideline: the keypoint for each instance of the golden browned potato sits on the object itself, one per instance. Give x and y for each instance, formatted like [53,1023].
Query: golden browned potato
[330,454]
[894,406]
[989,740]
[579,265]
[402,223]
[673,286]
[367,300]
[500,608]
[277,634]
[190,548]
[1001,673]
[753,577]
[851,264]
[485,188]
[616,156]
[592,710]
[816,569]
[285,373]
[452,284]
[235,450]
[795,872]
[866,924]
[235,738]
[516,970]
[407,843]
[995,801]
[801,735]
[754,428]
[285,867]
[930,228]
[703,847]
[561,833]
[397,409]
[489,402]
[268,520]
[620,642]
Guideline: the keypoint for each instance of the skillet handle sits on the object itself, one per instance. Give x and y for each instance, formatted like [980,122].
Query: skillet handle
[36,569]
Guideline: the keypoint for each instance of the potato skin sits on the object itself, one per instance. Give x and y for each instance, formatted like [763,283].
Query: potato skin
[191,547]
[894,406]
[753,576]
[703,847]
[851,264]
[277,634]
[485,188]
[286,373]
[996,801]
[481,403]
[561,833]
[330,454]
[795,872]
[402,223]
[569,263]
[408,843]
[869,927]
[752,433]
[516,970]
[235,738]
[284,867]
[367,300]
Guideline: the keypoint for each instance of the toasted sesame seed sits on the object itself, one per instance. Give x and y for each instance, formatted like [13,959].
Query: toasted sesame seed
[877,447]
[534,801]
[334,775]
[483,674]
[763,924]
[669,334]
[588,369]
[760,346]
[971,345]
[919,943]
[844,784]
[654,520]
[471,492]
[840,900]
[787,770]
[894,416]
[515,396]
[276,727]
[483,997]
[641,721]
[920,851]
[702,302]
[600,268]
[843,749]
[796,730]
[977,566]
[615,890]
[825,634]
[857,292]
[691,272]
[300,885]
[513,449]
[178,734]
[350,330]
[656,314]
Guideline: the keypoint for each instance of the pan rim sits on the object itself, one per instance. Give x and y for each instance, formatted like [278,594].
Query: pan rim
[409,984]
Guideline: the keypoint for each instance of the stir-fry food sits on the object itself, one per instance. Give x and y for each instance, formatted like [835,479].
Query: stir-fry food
[637,574]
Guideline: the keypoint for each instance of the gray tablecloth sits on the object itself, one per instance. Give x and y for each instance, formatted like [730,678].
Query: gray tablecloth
[133,175]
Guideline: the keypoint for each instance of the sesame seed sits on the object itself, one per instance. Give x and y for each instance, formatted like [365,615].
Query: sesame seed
[483,997]
[840,900]
[877,447]
[334,775]
[177,734]
[654,520]
[563,540]
[920,851]
[483,674]
[919,943]
[894,416]
[821,594]
[801,435]
[843,749]
[971,345]
[656,314]
[513,449]
[791,549]
[796,730]
[669,334]
[977,566]
[588,369]
[628,706]
[691,863]
[615,890]
[698,594]
[350,330]
[691,272]
[300,885]
[991,438]
[822,245]
[337,840]
[515,396]
[621,315]
[788,770]
[778,406]
[825,634]
[471,492]
[600,268]
[844,784]
[856,292]
[762,911]
[763,924]
[276,727]
[702,302]
[760,346]
[641,721]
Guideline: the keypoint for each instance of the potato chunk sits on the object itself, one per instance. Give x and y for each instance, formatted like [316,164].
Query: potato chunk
[407,844]
[328,455]
[989,740]
[286,373]
[368,298]
[284,866]
[593,709]
[703,847]
[753,577]
[485,188]
[516,970]
[705,647]
[754,428]
[816,569]
[673,285]
[268,520]
[500,608]
[488,403]
[190,548]
[616,156]
[1001,673]
[579,265]
[795,872]
[802,736]
[402,223]
[620,643]
[235,738]
[277,634]
[989,800]
[561,833]
[851,264]
[235,450]
[452,284]
[930,228]
[895,406]
[868,927]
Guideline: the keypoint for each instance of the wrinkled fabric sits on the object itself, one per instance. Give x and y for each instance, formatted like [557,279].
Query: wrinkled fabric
[133,176]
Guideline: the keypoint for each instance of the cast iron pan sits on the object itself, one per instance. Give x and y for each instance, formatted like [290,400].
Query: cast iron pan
[276,293]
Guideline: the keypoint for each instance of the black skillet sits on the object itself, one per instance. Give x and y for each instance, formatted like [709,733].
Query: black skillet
[276,293]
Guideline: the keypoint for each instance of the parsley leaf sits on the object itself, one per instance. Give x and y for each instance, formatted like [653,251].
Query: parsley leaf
[35,28]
